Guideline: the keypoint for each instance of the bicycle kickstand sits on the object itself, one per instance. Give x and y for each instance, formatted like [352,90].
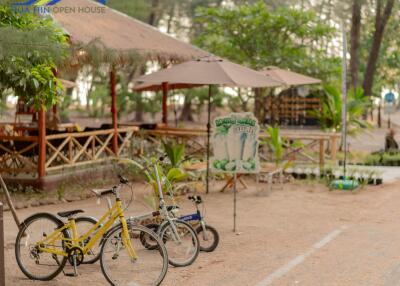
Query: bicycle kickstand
[75,273]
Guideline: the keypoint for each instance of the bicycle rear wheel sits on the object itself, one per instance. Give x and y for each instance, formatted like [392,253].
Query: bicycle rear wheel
[149,269]
[34,263]
[183,245]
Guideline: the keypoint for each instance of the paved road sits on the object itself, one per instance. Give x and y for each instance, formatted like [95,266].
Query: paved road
[302,235]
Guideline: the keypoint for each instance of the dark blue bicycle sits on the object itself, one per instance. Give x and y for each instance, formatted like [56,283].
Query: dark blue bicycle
[208,235]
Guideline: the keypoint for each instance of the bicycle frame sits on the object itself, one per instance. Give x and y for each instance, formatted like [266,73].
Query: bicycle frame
[98,231]
[197,218]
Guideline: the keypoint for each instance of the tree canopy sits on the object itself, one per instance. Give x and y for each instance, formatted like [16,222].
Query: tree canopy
[30,49]
[258,37]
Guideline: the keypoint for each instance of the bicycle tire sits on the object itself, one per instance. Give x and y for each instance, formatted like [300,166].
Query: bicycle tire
[195,240]
[160,251]
[18,242]
[215,238]
[144,239]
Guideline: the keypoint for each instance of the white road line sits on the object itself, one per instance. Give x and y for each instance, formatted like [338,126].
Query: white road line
[300,259]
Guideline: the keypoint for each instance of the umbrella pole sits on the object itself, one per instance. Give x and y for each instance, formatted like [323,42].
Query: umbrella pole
[208,138]
[234,201]
[344,99]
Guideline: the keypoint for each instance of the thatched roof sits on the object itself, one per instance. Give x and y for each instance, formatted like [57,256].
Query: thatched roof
[120,32]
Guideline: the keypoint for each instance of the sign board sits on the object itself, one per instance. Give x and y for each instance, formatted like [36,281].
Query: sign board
[235,144]
[389,97]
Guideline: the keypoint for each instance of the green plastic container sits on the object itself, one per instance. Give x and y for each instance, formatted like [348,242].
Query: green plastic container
[345,184]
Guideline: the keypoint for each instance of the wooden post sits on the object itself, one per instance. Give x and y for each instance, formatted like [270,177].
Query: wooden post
[55,110]
[2,266]
[333,148]
[321,153]
[114,111]
[42,142]
[164,103]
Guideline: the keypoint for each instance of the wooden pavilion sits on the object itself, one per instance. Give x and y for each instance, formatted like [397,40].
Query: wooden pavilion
[42,151]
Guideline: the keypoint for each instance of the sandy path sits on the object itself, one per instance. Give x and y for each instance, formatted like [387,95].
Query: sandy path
[275,229]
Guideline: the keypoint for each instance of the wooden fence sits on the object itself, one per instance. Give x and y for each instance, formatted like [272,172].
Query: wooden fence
[315,147]
[20,154]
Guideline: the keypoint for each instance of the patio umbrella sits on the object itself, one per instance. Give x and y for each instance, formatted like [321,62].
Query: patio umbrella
[210,71]
[288,77]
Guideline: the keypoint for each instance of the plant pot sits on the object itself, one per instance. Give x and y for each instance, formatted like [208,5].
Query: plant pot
[302,176]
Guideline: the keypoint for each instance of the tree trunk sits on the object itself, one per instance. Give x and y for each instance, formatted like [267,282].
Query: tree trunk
[171,17]
[139,110]
[381,20]
[186,114]
[139,102]
[153,17]
[258,103]
[355,42]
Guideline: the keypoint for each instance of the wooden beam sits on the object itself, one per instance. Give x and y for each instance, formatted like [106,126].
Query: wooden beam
[333,148]
[321,153]
[114,110]
[42,143]
[164,103]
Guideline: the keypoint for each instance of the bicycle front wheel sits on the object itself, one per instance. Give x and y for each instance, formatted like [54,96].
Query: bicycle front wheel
[181,242]
[148,269]
[34,262]
[209,238]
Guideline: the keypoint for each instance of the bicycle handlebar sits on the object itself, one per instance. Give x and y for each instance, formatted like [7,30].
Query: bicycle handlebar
[153,162]
[196,199]
[103,192]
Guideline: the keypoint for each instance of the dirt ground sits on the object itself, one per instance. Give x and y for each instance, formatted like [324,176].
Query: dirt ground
[302,234]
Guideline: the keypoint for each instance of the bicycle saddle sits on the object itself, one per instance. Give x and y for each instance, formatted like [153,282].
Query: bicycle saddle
[69,213]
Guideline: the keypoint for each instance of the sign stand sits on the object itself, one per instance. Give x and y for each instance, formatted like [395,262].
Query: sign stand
[235,148]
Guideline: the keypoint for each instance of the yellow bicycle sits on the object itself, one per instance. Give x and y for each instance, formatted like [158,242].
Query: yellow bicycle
[45,243]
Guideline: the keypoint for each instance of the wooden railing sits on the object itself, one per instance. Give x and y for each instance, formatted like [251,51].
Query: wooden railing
[20,154]
[195,140]
[75,149]
[317,146]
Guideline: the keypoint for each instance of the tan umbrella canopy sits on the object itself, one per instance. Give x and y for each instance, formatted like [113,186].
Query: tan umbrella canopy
[288,77]
[210,71]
